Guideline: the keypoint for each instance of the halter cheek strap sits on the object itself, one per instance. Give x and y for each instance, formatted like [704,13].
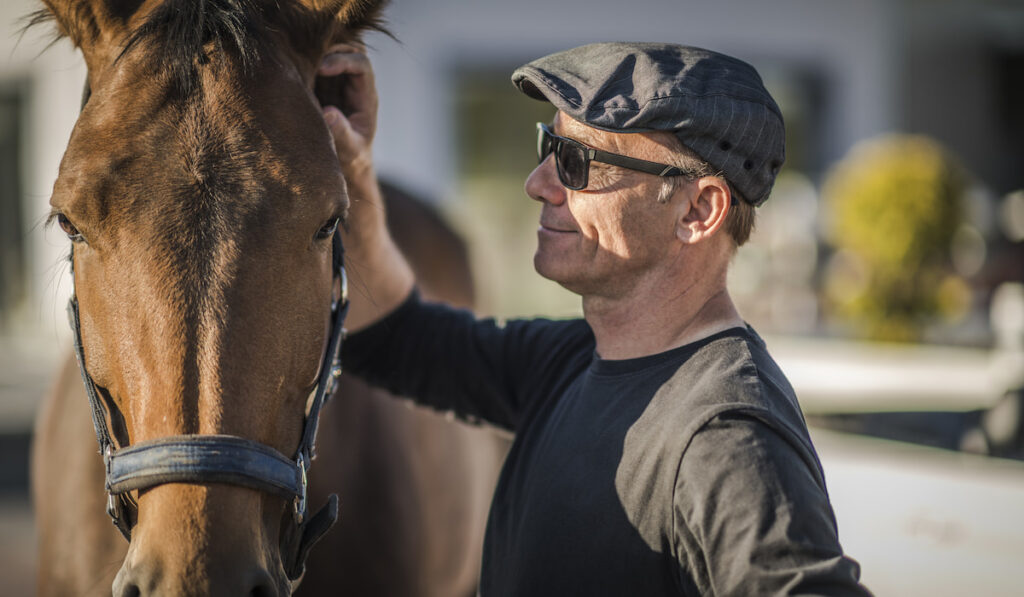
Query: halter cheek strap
[205,459]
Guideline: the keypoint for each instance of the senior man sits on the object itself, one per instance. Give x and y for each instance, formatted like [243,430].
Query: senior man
[658,447]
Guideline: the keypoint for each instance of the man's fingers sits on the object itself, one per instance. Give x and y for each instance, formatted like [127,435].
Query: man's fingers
[337,63]
[349,143]
[333,65]
[346,91]
[332,116]
[339,126]
[351,47]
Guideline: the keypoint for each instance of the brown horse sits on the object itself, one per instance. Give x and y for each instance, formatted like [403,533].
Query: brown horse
[200,192]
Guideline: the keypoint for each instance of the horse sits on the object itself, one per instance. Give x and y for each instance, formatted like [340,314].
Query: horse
[201,196]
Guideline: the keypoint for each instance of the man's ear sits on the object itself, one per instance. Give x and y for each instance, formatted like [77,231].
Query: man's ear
[703,209]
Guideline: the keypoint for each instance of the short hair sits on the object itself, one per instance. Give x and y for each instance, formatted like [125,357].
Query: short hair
[742,216]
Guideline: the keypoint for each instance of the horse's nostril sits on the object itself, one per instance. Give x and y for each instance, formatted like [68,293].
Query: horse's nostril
[125,584]
[152,579]
[264,589]
[264,586]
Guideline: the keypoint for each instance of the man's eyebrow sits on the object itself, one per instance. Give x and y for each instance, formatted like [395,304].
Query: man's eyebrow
[586,137]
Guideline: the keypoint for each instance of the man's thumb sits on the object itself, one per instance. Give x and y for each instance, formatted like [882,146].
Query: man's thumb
[341,129]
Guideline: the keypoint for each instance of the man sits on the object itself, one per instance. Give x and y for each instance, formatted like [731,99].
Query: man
[658,448]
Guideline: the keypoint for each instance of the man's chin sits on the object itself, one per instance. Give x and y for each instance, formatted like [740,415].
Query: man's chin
[557,272]
[545,268]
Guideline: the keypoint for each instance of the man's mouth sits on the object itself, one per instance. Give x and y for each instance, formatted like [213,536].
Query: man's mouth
[551,227]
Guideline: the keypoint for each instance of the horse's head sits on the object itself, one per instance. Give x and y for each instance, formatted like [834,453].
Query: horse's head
[201,191]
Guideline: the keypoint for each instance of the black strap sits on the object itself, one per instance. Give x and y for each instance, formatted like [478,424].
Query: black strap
[99,416]
[330,368]
[203,459]
[298,539]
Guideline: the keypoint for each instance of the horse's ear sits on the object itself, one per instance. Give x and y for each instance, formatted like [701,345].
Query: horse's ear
[86,22]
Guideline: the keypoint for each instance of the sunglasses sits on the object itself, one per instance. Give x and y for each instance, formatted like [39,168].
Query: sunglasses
[572,159]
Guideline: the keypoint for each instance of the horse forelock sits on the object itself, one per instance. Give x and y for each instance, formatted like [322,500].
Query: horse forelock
[185,30]
[182,31]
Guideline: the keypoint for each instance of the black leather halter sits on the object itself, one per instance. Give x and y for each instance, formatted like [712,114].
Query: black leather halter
[204,459]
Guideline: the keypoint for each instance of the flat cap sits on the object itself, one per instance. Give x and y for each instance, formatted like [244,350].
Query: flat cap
[715,104]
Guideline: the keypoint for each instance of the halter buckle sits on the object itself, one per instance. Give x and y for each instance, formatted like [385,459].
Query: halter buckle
[115,508]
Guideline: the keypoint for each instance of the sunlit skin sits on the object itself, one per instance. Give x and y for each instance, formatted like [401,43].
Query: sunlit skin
[604,239]
[651,275]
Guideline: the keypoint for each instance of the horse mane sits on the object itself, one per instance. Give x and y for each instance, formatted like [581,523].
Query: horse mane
[182,30]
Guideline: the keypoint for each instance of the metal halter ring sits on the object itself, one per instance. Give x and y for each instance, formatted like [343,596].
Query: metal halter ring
[113,504]
[300,500]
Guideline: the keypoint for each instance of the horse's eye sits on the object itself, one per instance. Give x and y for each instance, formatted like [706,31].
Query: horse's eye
[327,230]
[69,228]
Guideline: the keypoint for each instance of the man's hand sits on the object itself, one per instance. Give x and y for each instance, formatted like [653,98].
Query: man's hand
[346,90]
[380,275]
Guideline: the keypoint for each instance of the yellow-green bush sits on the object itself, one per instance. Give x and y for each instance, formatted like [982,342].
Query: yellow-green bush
[895,203]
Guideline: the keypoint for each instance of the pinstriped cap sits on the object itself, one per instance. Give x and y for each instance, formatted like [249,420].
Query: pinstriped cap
[715,104]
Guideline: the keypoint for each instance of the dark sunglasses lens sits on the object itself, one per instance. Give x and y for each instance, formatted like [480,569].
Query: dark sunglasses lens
[572,165]
[544,142]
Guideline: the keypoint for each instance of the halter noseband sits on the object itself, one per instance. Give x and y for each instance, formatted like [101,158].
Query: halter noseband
[204,459]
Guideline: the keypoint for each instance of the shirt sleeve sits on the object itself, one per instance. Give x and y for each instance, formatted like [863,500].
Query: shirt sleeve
[752,516]
[479,370]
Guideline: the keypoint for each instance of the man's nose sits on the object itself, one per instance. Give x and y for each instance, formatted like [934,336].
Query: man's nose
[543,185]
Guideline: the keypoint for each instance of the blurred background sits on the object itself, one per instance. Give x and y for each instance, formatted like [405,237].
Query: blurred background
[887,270]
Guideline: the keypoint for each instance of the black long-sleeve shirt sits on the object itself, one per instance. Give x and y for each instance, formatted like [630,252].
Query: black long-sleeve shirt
[688,472]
